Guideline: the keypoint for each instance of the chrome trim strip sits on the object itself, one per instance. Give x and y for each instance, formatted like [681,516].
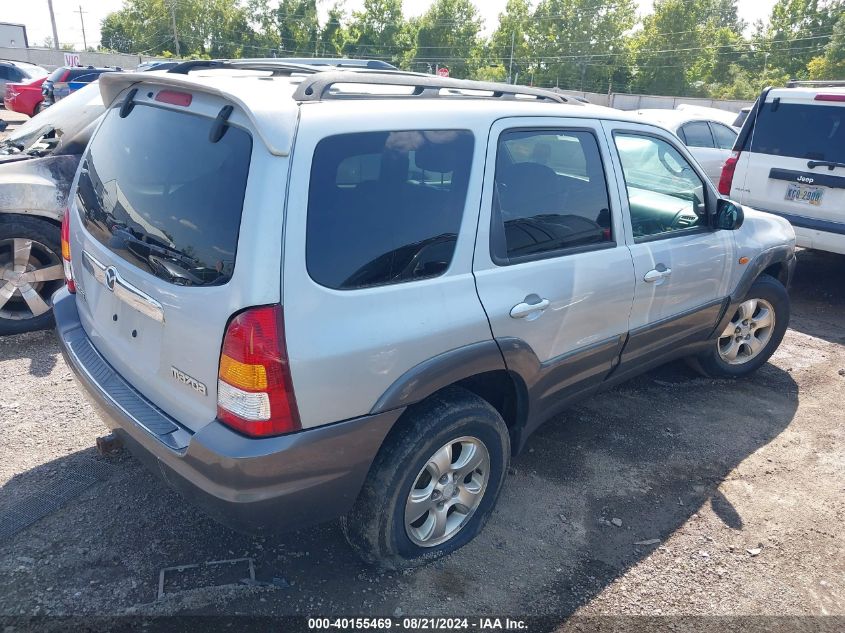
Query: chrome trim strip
[132,296]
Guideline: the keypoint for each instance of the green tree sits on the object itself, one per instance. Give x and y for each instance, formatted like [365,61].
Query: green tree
[288,27]
[687,46]
[333,34]
[580,44]
[379,31]
[831,64]
[206,28]
[798,31]
[448,35]
[510,45]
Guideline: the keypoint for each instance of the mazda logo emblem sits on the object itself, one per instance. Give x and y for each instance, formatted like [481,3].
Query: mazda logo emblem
[111,277]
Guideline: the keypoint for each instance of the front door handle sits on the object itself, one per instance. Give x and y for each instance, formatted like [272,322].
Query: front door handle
[658,274]
[526,309]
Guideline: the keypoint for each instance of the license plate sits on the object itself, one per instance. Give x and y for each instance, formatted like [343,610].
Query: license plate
[805,194]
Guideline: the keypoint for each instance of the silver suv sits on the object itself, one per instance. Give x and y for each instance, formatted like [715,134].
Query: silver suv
[303,296]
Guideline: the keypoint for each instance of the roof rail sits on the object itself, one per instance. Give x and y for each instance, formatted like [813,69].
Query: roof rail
[275,66]
[338,62]
[799,83]
[318,87]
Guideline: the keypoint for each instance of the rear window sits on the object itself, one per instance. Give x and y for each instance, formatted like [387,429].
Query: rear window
[386,207]
[157,192]
[812,132]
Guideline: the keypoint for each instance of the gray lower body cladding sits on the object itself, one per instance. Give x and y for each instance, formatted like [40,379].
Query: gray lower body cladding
[251,485]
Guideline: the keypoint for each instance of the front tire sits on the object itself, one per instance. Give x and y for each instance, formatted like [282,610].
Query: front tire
[433,484]
[754,332]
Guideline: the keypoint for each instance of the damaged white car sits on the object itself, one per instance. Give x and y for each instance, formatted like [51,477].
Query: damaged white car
[37,165]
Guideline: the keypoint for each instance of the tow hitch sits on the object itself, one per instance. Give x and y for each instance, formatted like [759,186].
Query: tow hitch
[109,444]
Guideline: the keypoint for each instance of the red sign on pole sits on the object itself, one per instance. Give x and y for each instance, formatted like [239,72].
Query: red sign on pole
[443,71]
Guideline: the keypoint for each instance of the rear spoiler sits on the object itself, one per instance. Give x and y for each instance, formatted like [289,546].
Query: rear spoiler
[275,126]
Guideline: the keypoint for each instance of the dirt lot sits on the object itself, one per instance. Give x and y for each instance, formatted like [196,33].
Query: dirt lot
[735,487]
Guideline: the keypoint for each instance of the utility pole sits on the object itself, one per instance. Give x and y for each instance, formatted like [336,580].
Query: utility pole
[82,20]
[175,34]
[510,66]
[53,22]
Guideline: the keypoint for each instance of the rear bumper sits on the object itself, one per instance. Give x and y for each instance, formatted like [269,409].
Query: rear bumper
[248,484]
[823,235]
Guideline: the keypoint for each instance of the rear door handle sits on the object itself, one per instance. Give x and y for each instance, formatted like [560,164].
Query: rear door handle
[525,309]
[661,272]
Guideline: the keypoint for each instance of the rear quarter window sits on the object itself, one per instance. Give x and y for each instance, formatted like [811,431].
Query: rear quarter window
[795,130]
[157,192]
[697,134]
[386,207]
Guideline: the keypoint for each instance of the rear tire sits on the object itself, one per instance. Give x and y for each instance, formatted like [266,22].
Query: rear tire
[446,463]
[748,342]
[32,245]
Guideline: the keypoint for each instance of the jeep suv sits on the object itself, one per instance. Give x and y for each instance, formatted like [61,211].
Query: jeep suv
[789,159]
[356,294]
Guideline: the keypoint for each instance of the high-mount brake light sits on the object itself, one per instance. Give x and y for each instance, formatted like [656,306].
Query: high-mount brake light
[254,387]
[174,97]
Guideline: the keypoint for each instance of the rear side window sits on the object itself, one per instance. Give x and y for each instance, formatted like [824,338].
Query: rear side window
[725,137]
[386,207]
[812,132]
[550,195]
[697,134]
[157,192]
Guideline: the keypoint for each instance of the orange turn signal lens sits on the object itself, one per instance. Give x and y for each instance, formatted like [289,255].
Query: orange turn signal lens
[744,260]
[241,375]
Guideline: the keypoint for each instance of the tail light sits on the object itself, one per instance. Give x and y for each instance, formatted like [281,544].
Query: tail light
[835,97]
[71,285]
[254,388]
[727,177]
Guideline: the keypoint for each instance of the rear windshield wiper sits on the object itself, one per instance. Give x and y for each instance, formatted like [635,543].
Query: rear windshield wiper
[824,163]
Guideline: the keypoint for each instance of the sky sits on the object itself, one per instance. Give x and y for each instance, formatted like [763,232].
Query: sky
[34,14]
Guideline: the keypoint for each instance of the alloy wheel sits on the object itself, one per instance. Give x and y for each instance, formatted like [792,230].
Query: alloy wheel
[447,491]
[29,274]
[748,333]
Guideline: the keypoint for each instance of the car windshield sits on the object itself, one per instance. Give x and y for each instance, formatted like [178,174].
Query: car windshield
[62,121]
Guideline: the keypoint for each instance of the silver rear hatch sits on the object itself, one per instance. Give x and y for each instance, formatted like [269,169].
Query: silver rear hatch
[168,241]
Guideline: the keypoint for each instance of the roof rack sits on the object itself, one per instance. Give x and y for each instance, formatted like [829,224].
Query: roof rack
[318,87]
[798,83]
[275,66]
[283,65]
[337,62]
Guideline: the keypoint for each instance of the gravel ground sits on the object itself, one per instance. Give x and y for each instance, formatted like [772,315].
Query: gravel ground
[672,494]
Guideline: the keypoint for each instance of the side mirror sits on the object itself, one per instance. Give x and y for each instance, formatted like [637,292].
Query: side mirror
[729,215]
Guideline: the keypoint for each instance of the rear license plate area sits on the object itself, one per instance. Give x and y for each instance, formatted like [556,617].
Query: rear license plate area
[804,194]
